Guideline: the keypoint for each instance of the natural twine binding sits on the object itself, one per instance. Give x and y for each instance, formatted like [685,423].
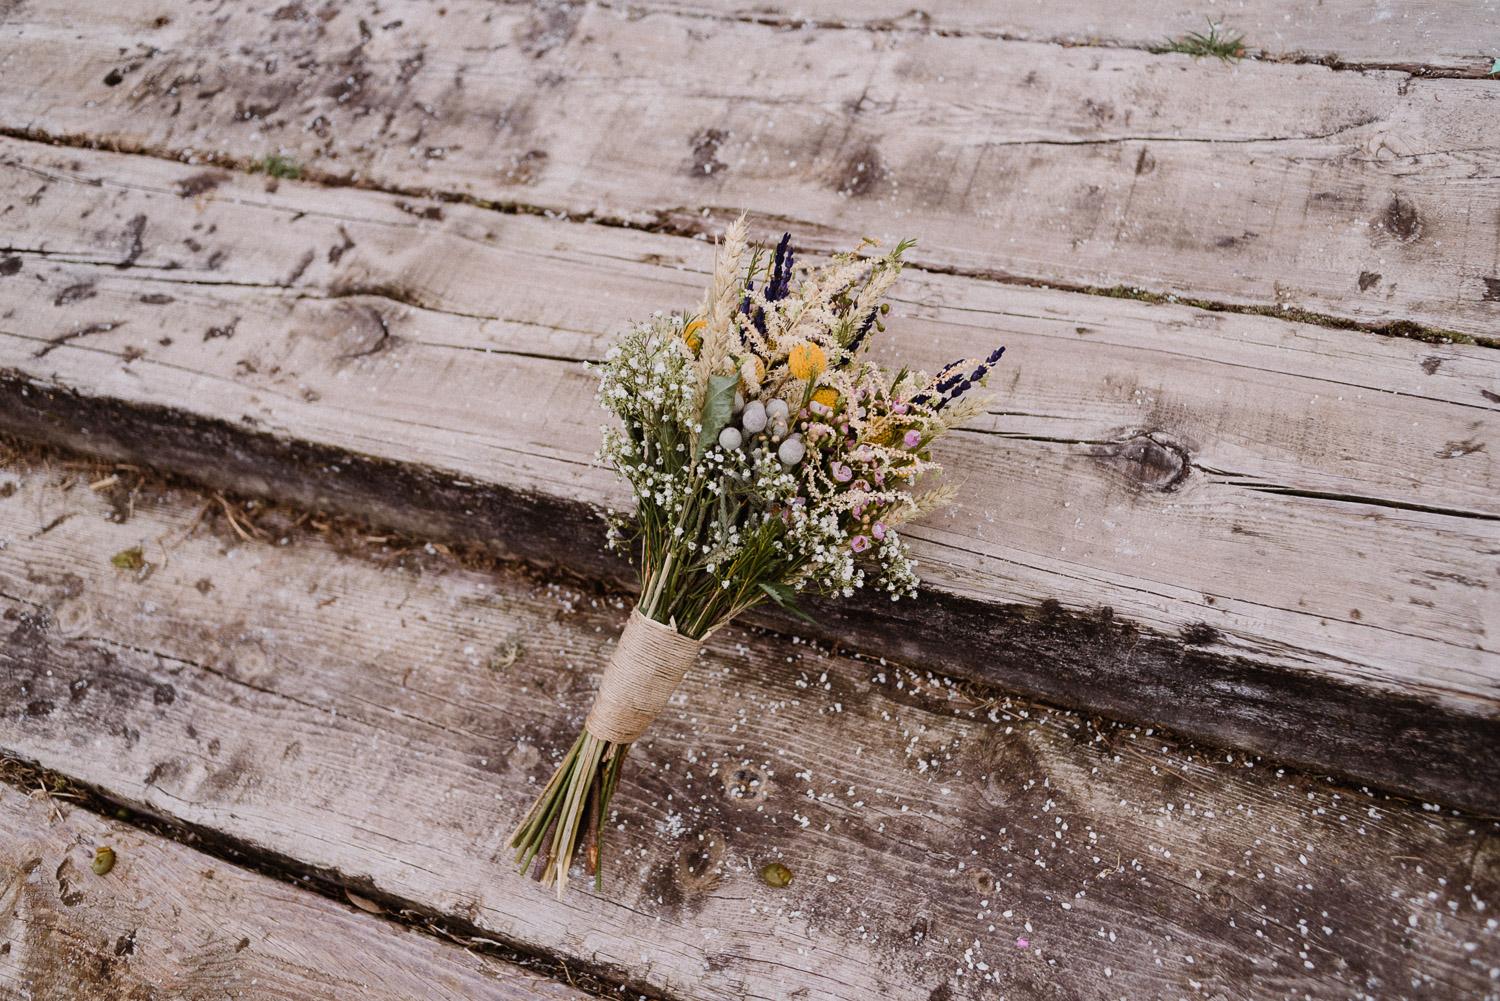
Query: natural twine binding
[644,671]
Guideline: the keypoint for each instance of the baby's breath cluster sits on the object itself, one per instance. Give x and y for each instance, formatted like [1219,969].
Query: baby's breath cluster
[767,455]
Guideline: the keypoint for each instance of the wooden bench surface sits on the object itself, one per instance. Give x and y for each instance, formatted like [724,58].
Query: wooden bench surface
[382,716]
[1428,36]
[1238,480]
[1360,195]
[169,921]
[1281,507]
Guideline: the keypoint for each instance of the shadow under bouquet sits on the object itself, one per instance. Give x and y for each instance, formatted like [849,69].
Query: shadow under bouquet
[767,458]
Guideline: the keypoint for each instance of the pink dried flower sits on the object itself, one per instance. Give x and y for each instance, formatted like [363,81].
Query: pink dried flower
[879,530]
[842,473]
[859,543]
[913,438]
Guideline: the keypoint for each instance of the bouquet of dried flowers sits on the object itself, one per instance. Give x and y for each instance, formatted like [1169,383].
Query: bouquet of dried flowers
[768,458]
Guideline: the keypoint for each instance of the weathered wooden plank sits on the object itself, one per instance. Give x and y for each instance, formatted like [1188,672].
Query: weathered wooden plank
[1282,498]
[170,922]
[1431,35]
[1360,195]
[383,715]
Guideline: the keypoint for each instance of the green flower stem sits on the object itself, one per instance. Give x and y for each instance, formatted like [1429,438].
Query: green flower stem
[531,835]
[567,830]
[571,811]
[614,762]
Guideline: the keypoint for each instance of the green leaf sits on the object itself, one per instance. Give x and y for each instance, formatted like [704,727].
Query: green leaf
[718,407]
[786,599]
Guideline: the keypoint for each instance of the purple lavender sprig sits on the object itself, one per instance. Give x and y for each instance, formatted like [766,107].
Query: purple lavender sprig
[778,285]
[957,379]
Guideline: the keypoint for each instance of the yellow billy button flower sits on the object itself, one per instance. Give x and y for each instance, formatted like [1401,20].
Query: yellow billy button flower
[806,361]
[826,396]
[693,334]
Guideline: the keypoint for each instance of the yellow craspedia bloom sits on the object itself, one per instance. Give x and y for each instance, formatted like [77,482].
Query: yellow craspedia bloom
[693,334]
[826,396]
[806,361]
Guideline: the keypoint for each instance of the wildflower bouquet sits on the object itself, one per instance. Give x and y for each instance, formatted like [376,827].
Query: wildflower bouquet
[768,458]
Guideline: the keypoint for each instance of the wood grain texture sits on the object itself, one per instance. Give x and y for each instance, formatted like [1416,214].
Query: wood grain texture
[168,922]
[1416,34]
[384,717]
[1359,195]
[1272,494]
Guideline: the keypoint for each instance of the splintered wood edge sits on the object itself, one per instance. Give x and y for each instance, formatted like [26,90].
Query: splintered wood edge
[165,917]
[1404,742]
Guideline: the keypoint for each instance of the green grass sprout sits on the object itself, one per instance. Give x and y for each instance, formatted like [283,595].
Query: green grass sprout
[1219,43]
[277,165]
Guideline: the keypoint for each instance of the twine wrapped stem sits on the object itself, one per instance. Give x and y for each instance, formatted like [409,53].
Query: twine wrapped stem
[645,669]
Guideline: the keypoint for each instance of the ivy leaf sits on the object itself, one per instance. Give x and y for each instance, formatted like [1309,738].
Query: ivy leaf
[718,407]
[786,599]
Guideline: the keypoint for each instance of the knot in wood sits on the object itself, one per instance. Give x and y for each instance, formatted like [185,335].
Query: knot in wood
[1401,220]
[699,864]
[745,785]
[74,617]
[1149,460]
